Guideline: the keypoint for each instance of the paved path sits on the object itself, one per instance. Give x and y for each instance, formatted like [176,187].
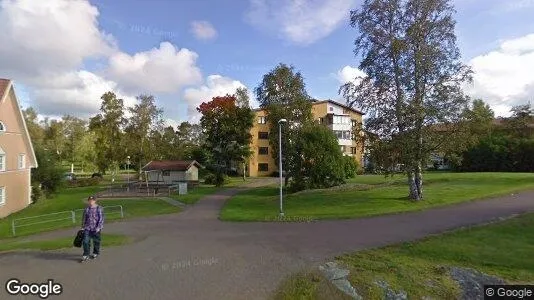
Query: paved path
[192,255]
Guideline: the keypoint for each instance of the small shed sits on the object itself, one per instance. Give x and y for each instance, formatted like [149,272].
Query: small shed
[169,172]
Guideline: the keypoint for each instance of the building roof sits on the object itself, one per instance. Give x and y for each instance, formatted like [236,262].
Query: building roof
[338,104]
[316,102]
[6,85]
[170,165]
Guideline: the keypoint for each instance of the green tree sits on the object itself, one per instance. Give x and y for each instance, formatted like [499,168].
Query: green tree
[521,121]
[48,175]
[74,129]
[413,80]
[107,126]
[479,118]
[85,151]
[318,161]
[35,130]
[226,129]
[55,138]
[145,120]
[282,93]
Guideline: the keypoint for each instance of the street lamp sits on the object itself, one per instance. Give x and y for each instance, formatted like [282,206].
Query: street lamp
[128,172]
[280,170]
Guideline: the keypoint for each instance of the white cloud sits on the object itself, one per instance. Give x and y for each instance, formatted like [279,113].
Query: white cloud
[171,122]
[349,74]
[44,37]
[299,21]
[203,30]
[504,77]
[216,85]
[76,93]
[159,70]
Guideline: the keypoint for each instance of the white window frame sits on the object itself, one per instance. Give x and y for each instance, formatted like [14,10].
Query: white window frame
[21,163]
[2,161]
[2,195]
[262,120]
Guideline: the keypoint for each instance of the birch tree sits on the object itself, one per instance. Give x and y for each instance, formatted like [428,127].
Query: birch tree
[414,78]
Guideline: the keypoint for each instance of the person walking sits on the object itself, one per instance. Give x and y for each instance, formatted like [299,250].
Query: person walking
[92,224]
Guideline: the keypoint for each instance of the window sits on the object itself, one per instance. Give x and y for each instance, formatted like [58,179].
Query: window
[342,149]
[263,150]
[353,150]
[262,120]
[346,135]
[331,108]
[2,195]
[321,120]
[2,127]
[263,167]
[341,120]
[166,173]
[262,135]
[22,161]
[2,161]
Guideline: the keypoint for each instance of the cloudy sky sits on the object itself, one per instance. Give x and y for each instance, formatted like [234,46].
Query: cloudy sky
[64,54]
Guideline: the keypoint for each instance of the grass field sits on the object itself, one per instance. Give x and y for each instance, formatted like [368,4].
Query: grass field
[369,195]
[73,199]
[420,268]
[108,240]
[195,194]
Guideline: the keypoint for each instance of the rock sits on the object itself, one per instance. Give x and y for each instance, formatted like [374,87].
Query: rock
[345,286]
[472,282]
[338,277]
[390,294]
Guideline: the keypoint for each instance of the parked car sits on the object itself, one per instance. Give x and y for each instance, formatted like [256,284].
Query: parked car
[69,176]
[97,175]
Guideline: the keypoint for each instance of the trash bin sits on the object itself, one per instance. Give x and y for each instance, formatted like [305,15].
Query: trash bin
[182,188]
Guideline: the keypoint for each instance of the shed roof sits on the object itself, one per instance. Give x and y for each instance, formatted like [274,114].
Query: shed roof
[170,165]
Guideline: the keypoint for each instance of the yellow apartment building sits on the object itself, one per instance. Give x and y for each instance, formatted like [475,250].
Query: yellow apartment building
[338,117]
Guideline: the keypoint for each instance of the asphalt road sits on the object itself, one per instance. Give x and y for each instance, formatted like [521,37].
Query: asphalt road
[193,255]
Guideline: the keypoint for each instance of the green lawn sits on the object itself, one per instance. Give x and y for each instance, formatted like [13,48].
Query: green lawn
[421,268]
[108,240]
[72,199]
[195,194]
[369,195]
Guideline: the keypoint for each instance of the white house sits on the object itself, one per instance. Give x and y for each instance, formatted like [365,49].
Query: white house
[167,172]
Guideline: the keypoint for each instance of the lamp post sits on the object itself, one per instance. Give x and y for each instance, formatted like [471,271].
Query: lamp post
[128,172]
[280,169]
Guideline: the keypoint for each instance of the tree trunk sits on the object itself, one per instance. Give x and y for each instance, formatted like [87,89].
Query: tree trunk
[411,184]
[419,182]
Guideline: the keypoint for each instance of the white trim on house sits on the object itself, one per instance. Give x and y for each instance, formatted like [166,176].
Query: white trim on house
[3,160]
[21,162]
[30,186]
[2,195]
[9,88]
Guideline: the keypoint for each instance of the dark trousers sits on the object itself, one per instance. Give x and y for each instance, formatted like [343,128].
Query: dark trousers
[87,237]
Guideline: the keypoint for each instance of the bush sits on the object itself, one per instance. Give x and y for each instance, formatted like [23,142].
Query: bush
[209,179]
[37,193]
[221,179]
[350,166]
[82,182]
[317,161]
[49,174]
[499,154]
[217,179]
